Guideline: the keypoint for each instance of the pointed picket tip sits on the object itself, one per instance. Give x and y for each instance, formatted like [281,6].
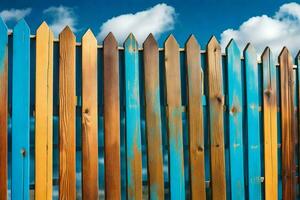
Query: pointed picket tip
[266,52]
[67,31]
[192,41]
[3,27]
[44,28]
[130,40]
[110,39]
[213,43]
[284,52]
[171,41]
[150,41]
[89,35]
[22,24]
[250,49]
[232,45]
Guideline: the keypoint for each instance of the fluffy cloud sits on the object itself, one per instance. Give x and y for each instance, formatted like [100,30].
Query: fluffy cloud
[14,14]
[61,16]
[155,20]
[282,29]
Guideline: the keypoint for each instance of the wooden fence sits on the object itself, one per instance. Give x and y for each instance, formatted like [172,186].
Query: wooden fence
[170,123]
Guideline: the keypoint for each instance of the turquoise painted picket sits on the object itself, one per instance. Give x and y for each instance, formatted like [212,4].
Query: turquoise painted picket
[246,89]
[20,111]
[235,106]
[133,129]
[253,124]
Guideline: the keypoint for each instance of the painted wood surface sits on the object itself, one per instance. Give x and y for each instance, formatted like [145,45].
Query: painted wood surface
[195,119]
[133,130]
[111,99]
[253,124]
[67,115]
[43,112]
[297,62]
[3,109]
[89,117]
[216,121]
[153,119]
[235,101]
[287,123]
[174,119]
[270,125]
[20,112]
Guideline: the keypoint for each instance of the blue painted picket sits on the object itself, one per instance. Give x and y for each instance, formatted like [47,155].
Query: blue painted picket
[133,130]
[235,106]
[253,124]
[20,111]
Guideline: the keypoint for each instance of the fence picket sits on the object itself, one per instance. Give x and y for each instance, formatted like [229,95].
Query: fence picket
[270,125]
[3,108]
[297,62]
[21,111]
[67,115]
[89,117]
[43,112]
[195,117]
[133,130]
[253,121]
[174,119]
[153,119]
[111,118]
[287,123]
[216,126]
[235,101]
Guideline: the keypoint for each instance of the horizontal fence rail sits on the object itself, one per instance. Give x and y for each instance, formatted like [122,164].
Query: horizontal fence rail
[83,120]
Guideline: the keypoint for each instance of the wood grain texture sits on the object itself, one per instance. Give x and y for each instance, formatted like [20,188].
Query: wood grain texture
[253,129]
[132,122]
[21,112]
[287,124]
[235,119]
[89,117]
[3,109]
[111,118]
[216,128]
[270,125]
[43,112]
[174,119]
[67,115]
[153,119]
[195,117]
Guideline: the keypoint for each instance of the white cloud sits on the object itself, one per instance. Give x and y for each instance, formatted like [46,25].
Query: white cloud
[61,16]
[282,29]
[155,20]
[14,14]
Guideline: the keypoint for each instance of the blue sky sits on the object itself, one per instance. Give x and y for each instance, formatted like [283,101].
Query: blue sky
[203,18]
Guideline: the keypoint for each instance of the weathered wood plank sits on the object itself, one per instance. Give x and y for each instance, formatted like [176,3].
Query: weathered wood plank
[297,62]
[43,112]
[216,126]
[3,109]
[287,123]
[270,125]
[253,121]
[89,117]
[111,118]
[235,101]
[195,117]
[133,130]
[174,119]
[67,115]
[153,119]
[20,111]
